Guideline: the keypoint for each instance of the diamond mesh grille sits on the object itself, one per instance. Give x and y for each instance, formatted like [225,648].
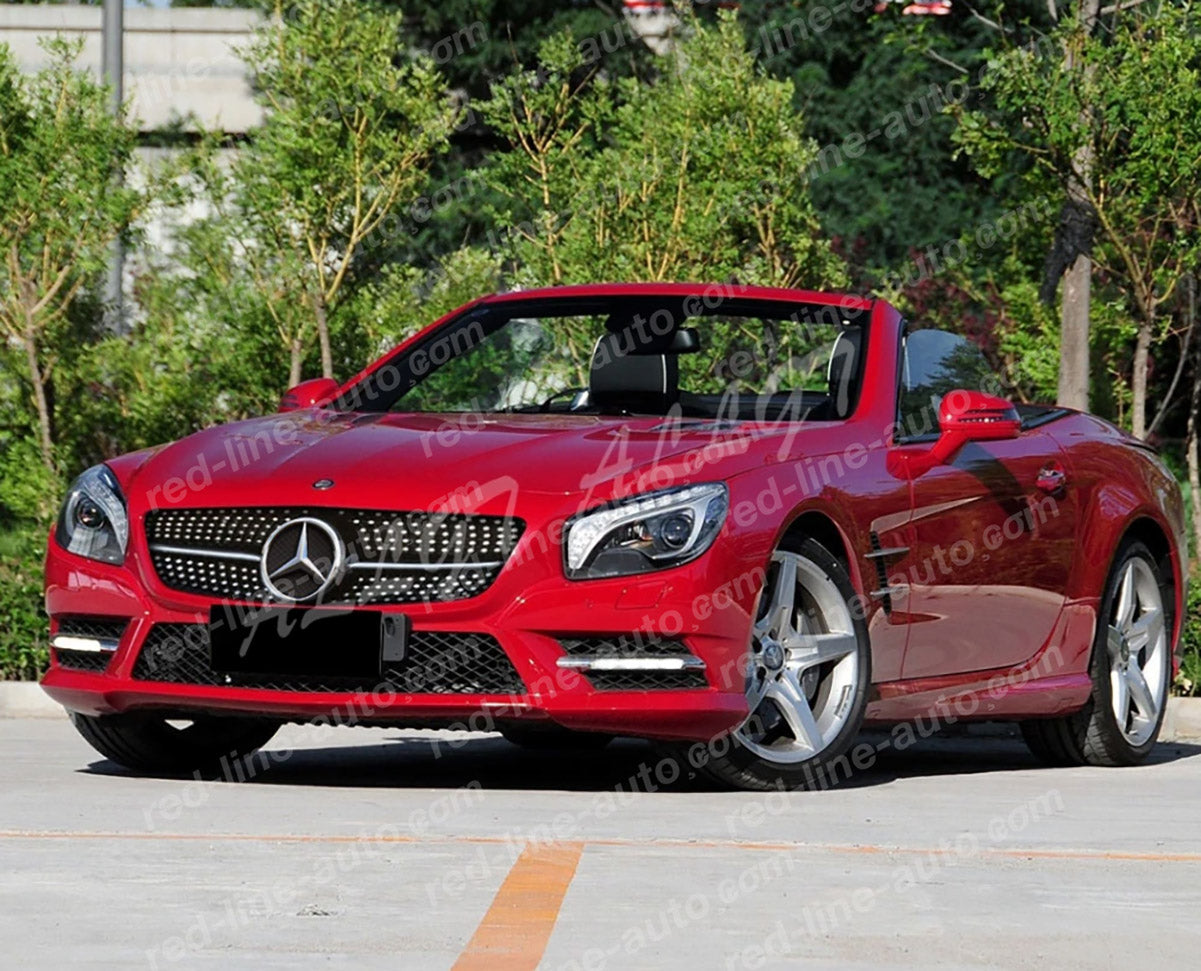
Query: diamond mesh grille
[437,662]
[227,579]
[101,627]
[377,541]
[647,680]
[82,660]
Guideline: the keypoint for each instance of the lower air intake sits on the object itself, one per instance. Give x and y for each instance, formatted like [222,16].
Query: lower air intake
[99,628]
[437,662]
[635,646]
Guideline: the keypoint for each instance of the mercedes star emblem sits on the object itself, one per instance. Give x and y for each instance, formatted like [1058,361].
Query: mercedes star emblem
[301,559]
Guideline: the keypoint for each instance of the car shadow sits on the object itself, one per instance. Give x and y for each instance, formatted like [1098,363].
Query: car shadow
[412,760]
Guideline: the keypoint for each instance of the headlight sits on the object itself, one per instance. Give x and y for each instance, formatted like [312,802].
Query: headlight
[93,521]
[649,532]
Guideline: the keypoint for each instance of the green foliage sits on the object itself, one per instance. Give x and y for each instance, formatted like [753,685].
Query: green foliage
[60,153]
[61,157]
[700,175]
[1188,682]
[1117,123]
[24,629]
[403,299]
[1134,104]
[1111,335]
[873,90]
[1028,343]
[476,42]
[349,132]
[28,490]
[165,377]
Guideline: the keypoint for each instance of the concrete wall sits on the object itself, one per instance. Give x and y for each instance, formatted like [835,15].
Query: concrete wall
[177,61]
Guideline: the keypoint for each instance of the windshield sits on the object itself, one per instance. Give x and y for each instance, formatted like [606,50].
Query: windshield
[764,361]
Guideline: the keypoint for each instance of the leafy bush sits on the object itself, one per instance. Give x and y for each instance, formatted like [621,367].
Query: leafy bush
[23,623]
[1028,343]
[1189,680]
[701,175]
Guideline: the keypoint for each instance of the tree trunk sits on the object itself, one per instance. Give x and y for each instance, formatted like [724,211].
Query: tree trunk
[1138,384]
[45,433]
[297,352]
[321,315]
[1074,370]
[1074,319]
[1073,334]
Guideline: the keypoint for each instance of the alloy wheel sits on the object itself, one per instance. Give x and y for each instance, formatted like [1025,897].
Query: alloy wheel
[1137,640]
[803,668]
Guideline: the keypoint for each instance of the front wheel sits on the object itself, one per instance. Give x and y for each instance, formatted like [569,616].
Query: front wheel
[807,678]
[155,745]
[1131,667]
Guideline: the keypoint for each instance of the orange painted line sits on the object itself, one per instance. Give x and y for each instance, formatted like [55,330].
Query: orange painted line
[852,848]
[516,929]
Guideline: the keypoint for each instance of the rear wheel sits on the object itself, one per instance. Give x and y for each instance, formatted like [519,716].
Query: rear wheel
[153,744]
[807,678]
[1131,667]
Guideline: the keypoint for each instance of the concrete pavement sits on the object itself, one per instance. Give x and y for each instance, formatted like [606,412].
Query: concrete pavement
[389,848]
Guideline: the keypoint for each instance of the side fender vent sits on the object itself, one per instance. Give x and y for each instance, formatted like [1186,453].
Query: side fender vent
[881,572]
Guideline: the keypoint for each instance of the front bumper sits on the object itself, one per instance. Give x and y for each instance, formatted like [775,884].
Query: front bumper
[530,612]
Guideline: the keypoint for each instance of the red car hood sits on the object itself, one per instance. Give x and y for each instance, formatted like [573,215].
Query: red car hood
[412,461]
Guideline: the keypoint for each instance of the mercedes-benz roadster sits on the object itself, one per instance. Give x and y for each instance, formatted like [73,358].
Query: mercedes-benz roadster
[745,522]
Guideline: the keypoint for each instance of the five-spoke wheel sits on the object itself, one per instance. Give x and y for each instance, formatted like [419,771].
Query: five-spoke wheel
[1131,668]
[807,675]
[1137,643]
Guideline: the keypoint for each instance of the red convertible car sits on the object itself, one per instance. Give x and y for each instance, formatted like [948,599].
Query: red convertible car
[745,522]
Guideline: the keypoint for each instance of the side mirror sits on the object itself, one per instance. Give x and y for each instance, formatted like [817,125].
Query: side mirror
[973,416]
[309,393]
[965,416]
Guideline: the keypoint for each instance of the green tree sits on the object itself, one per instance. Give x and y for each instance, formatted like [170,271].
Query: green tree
[351,127]
[62,202]
[700,175]
[1137,112]
[872,88]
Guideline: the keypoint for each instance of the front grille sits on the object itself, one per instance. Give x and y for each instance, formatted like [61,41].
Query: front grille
[630,646]
[106,628]
[390,557]
[436,662]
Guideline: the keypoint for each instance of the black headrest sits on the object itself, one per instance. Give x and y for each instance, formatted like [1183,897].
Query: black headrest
[844,359]
[646,383]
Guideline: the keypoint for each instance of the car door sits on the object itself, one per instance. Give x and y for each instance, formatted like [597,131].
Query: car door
[991,535]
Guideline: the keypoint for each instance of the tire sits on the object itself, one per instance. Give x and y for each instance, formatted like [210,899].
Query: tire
[544,738]
[1131,668]
[809,672]
[152,745]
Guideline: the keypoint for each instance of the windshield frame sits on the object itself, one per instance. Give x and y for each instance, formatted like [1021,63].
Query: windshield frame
[379,389]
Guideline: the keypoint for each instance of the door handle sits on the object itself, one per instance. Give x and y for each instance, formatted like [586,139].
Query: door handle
[1051,478]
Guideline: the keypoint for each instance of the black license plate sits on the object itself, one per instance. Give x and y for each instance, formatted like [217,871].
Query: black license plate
[306,641]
